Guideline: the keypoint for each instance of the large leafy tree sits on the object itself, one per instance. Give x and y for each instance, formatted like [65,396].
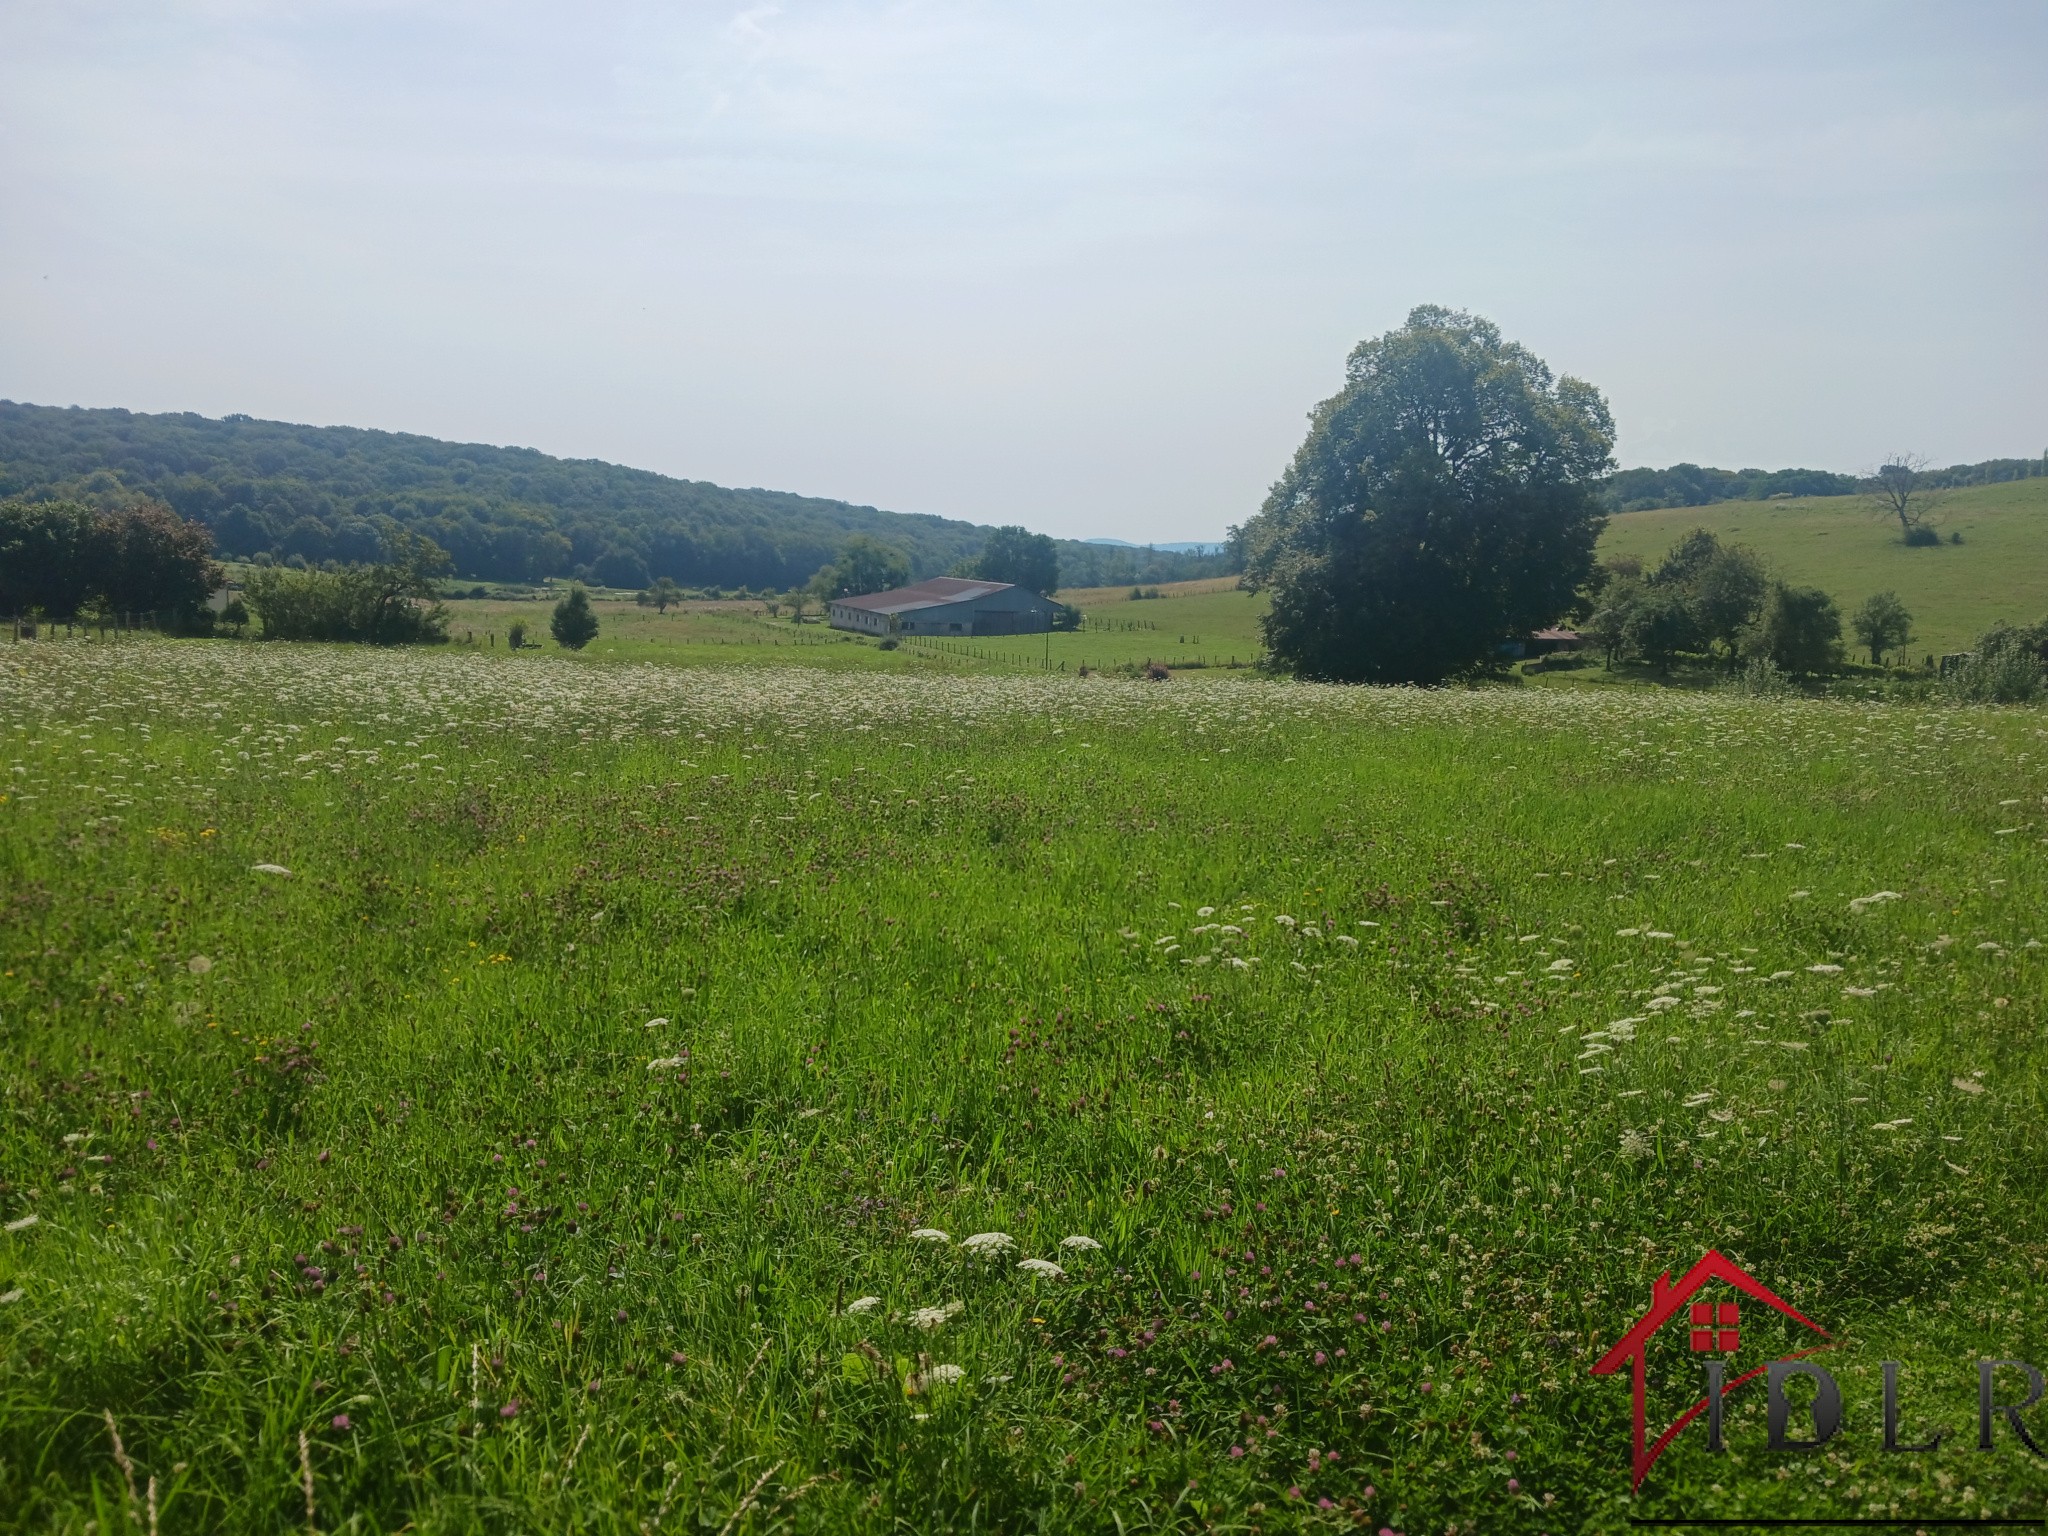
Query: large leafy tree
[1798,630]
[154,561]
[61,556]
[50,557]
[1022,557]
[865,565]
[1445,501]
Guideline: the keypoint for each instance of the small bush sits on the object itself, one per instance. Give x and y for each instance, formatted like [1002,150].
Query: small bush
[1920,536]
[1762,678]
[2011,676]
[890,644]
[516,635]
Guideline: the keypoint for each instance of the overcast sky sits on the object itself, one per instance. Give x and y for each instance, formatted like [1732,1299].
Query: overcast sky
[1082,266]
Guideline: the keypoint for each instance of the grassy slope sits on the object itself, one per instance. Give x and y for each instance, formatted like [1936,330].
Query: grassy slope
[1955,592]
[905,933]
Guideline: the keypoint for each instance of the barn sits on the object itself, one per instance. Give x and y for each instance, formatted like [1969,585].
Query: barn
[945,605]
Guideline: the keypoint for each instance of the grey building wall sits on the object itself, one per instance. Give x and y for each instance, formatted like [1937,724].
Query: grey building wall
[1015,612]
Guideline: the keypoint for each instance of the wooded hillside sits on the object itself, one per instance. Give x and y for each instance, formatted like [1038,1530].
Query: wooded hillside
[504,514]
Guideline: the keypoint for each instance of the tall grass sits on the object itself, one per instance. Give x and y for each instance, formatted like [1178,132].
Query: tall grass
[525,1154]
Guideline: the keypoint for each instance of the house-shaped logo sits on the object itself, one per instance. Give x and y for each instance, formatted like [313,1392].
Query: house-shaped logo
[1712,1328]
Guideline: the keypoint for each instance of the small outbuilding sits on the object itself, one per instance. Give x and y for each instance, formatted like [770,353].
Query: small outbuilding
[945,605]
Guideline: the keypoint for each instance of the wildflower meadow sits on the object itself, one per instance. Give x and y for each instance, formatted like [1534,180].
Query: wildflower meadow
[451,1091]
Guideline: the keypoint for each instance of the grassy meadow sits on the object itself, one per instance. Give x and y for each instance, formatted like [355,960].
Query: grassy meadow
[1836,543]
[450,1091]
[1196,624]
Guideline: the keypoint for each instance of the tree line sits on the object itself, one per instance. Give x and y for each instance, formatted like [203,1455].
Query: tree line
[1719,603]
[64,560]
[307,496]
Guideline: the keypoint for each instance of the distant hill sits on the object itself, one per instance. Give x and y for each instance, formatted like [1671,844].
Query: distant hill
[1190,548]
[505,514]
[1692,485]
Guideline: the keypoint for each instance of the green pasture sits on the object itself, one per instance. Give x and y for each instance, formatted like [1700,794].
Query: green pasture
[1955,591]
[448,1091]
[1191,624]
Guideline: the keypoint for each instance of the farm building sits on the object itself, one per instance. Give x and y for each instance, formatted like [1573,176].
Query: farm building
[1542,642]
[945,605]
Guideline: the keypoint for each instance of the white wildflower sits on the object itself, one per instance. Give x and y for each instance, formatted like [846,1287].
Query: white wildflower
[1627,933]
[270,869]
[1825,969]
[929,1235]
[929,1318]
[11,1297]
[863,1306]
[1044,1267]
[23,1223]
[1892,1125]
[1284,920]
[1704,1096]
[1874,899]
[986,1245]
[1077,1241]
[941,1375]
[199,965]
[666,1063]
[654,1024]
[1205,911]
[1968,1085]
[1657,933]
[1561,965]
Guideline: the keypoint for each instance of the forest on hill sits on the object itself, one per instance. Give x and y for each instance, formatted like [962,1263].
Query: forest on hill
[1695,485]
[318,494]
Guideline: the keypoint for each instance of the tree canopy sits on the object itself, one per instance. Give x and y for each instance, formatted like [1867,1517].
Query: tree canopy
[1022,557]
[62,557]
[865,565]
[1444,502]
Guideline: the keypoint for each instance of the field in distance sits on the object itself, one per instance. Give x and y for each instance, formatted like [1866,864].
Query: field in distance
[1189,624]
[1955,591]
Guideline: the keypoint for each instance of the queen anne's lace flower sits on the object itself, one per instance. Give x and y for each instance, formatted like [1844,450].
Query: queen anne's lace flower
[270,869]
[929,1318]
[1044,1267]
[862,1306]
[929,1235]
[1078,1241]
[986,1245]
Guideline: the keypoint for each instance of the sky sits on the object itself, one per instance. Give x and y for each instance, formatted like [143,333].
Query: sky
[1083,266]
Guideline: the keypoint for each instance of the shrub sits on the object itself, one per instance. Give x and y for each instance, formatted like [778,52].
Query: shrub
[1761,679]
[390,603]
[2012,676]
[1920,536]
[574,625]
[516,635]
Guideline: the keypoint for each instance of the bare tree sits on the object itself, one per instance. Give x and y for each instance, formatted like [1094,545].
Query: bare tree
[1900,489]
